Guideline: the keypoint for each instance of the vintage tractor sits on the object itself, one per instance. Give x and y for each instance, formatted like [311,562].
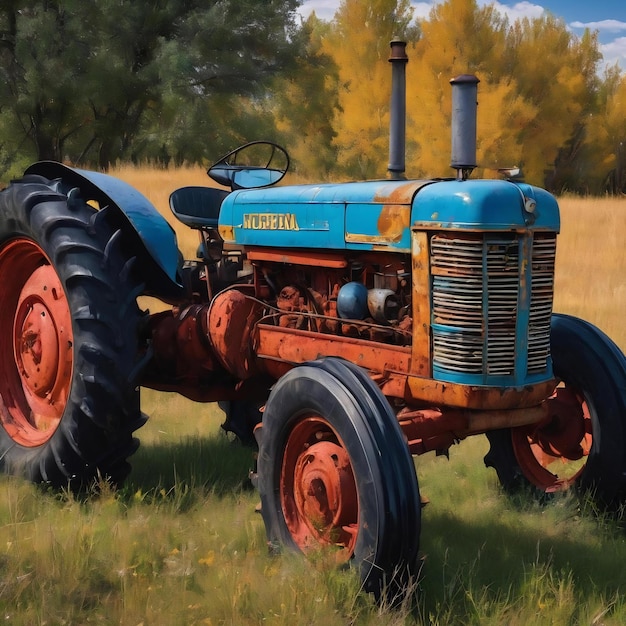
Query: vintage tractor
[344,327]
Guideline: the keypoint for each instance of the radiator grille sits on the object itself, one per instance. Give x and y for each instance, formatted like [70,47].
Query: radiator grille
[475,294]
[542,294]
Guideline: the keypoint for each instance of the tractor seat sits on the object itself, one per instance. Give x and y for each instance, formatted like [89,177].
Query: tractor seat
[197,207]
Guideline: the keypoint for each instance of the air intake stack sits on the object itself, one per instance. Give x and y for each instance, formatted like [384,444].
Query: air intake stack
[397,113]
[464,106]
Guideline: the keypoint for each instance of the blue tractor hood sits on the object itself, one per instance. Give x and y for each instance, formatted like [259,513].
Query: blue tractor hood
[376,215]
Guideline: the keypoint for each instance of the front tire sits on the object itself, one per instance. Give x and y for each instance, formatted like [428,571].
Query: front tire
[583,443]
[68,339]
[334,472]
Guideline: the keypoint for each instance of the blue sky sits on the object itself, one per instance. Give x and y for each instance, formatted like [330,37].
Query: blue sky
[608,17]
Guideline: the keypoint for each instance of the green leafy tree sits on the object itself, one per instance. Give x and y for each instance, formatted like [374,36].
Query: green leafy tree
[42,62]
[89,82]
[217,74]
[605,141]
[304,105]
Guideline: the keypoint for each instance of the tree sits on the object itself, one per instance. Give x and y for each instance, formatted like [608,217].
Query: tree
[461,38]
[358,42]
[537,87]
[96,94]
[304,104]
[556,73]
[606,136]
[42,64]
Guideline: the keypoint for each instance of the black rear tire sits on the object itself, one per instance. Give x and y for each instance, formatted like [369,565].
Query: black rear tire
[334,471]
[593,369]
[86,433]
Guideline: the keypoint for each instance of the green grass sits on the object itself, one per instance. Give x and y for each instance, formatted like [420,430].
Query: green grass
[495,560]
[181,543]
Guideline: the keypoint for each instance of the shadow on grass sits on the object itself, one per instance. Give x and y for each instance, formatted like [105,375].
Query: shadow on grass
[213,464]
[500,561]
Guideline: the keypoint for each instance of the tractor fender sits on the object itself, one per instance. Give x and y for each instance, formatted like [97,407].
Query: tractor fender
[154,240]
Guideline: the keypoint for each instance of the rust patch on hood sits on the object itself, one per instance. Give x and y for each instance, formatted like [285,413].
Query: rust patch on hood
[393,221]
[393,193]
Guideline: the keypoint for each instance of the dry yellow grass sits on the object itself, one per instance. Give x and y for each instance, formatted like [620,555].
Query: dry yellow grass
[591,263]
[157,185]
[591,258]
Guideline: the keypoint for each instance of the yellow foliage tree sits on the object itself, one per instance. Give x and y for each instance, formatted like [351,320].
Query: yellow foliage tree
[358,41]
[538,87]
[461,38]
[555,73]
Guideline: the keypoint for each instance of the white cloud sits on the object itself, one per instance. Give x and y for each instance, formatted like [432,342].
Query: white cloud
[518,11]
[421,10]
[614,52]
[612,26]
[324,9]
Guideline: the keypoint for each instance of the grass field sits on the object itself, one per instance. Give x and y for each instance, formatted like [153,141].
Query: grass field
[181,543]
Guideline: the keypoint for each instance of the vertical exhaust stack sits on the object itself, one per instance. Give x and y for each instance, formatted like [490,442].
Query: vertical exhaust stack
[464,106]
[397,113]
